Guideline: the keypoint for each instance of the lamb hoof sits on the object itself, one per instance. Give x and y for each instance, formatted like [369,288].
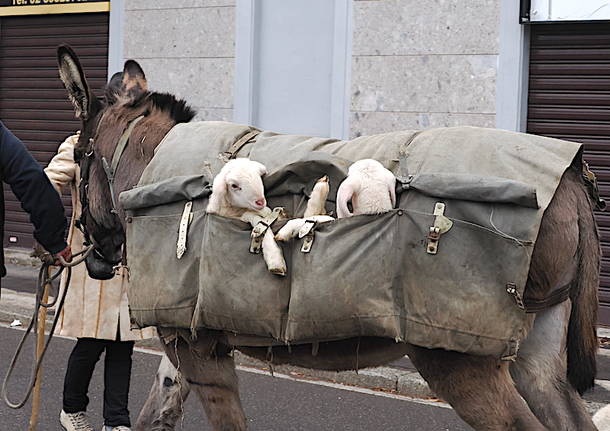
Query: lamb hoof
[278,271]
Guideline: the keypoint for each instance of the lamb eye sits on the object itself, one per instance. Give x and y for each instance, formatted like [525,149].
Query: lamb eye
[234,187]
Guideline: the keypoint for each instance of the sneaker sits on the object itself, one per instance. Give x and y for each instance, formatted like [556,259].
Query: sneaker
[75,421]
[119,428]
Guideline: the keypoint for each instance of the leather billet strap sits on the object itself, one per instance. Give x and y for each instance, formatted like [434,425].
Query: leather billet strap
[591,183]
[110,169]
[556,297]
[231,153]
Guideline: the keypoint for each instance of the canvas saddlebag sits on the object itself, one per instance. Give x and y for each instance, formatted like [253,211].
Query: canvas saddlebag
[369,275]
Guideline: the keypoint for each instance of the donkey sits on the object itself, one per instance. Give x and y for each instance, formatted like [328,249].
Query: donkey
[538,391]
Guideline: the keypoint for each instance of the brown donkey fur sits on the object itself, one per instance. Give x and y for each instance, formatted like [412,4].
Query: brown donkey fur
[538,391]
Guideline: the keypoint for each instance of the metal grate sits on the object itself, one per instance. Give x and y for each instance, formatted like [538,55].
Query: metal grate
[33,102]
[569,98]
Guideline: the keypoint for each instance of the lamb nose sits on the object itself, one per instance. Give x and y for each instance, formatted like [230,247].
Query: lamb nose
[260,202]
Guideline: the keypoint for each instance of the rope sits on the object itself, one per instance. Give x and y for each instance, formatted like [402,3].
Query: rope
[43,280]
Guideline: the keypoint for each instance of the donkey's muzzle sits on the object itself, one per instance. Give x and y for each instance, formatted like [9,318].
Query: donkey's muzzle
[98,268]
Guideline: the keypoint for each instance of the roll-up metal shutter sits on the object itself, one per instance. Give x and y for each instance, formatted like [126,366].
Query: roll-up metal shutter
[33,101]
[569,98]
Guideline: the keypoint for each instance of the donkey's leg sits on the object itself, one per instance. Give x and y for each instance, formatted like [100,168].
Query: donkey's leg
[479,388]
[209,369]
[163,407]
[541,377]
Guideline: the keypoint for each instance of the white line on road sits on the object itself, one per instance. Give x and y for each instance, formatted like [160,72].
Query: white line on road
[295,379]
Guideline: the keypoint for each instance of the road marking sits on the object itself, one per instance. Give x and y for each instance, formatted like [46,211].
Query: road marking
[603,383]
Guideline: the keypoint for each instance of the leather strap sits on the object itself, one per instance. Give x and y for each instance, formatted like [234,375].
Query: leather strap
[110,169]
[231,153]
[591,182]
[120,148]
[556,297]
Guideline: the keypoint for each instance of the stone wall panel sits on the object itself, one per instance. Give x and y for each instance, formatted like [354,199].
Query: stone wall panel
[370,123]
[434,83]
[405,27]
[200,32]
[186,48]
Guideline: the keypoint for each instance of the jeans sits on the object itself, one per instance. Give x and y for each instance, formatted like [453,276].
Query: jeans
[117,372]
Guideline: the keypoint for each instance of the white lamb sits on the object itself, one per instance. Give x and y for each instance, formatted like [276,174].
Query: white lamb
[315,211]
[238,192]
[369,186]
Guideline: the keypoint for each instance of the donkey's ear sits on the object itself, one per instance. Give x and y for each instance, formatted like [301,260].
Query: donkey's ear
[134,81]
[72,75]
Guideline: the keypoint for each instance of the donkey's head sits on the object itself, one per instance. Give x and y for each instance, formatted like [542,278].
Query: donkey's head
[104,121]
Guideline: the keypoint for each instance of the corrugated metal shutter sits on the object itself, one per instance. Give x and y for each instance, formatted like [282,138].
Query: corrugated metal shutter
[569,98]
[33,101]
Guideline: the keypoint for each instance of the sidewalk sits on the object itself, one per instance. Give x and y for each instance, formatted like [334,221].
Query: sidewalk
[17,302]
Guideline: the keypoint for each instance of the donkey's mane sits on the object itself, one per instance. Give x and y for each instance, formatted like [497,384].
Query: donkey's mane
[177,109]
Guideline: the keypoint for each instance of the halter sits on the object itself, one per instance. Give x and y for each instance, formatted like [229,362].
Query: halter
[110,169]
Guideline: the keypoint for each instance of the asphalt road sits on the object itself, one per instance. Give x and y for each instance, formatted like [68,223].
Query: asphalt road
[271,403]
[20,278]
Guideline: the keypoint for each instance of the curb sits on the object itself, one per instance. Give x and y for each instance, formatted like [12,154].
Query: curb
[387,379]
[395,380]
[20,256]
[20,306]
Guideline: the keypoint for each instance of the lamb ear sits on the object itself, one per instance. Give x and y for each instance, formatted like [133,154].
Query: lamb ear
[134,81]
[344,195]
[392,190]
[219,193]
[262,169]
[72,75]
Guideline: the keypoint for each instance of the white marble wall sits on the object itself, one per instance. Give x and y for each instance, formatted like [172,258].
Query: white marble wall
[419,64]
[187,48]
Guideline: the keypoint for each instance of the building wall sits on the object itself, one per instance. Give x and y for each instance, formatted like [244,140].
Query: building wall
[423,64]
[414,64]
[186,48]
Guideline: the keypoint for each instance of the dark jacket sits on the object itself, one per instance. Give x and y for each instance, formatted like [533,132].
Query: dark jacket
[37,196]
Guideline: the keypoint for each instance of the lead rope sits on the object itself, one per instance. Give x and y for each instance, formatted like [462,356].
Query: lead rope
[42,282]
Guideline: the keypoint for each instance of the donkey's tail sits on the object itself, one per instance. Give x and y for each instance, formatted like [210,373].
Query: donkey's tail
[582,342]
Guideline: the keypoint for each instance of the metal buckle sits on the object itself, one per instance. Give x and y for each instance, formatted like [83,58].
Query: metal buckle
[511,289]
[307,232]
[441,225]
[306,228]
[433,237]
[307,242]
[255,244]
[258,231]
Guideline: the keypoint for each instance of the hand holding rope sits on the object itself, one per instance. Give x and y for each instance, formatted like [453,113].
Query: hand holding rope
[43,280]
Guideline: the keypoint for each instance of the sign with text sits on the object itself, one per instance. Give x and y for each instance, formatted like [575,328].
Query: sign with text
[41,7]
